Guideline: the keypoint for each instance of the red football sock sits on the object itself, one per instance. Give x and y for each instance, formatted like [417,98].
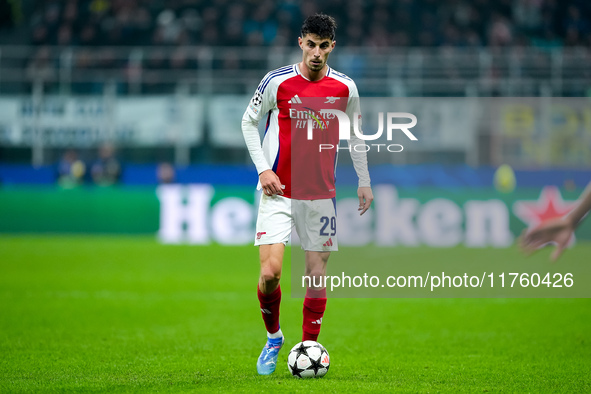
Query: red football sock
[314,307]
[270,309]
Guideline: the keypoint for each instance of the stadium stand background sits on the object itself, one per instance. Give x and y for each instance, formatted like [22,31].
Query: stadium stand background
[424,23]
[180,50]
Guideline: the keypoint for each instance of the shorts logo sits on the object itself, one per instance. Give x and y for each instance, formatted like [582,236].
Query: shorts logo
[260,234]
[328,243]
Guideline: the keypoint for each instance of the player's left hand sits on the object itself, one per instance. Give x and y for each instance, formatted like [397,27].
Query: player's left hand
[365,198]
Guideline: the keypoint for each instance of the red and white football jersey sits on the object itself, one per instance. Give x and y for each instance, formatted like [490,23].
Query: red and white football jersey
[288,100]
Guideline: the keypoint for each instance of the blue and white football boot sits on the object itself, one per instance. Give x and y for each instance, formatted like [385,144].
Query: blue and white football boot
[268,359]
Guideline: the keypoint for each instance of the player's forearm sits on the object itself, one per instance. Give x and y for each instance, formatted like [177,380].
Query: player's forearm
[359,161]
[253,143]
[359,158]
[583,206]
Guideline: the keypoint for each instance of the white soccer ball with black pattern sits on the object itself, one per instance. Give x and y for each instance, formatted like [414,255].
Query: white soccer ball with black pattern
[308,359]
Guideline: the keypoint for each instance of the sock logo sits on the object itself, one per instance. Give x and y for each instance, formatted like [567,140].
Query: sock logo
[319,321]
[265,311]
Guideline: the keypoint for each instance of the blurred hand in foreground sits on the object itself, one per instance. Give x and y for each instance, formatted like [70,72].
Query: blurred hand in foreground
[557,231]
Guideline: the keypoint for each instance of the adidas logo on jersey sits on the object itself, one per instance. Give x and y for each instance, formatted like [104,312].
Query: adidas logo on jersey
[295,100]
[328,243]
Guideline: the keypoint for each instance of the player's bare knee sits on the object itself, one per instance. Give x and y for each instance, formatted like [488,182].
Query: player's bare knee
[316,273]
[270,274]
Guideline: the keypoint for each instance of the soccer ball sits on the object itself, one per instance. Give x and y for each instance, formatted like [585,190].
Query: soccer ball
[308,359]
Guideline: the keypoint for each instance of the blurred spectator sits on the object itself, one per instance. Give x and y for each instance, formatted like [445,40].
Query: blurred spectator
[88,35]
[41,67]
[99,7]
[106,170]
[428,30]
[157,60]
[234,25]
[262,23]
[574,23]
[39,35]
[109,60]
[528,14]
[378,37]
[64,36]
[572,38]
[399,39]
[500,31]
[231,62]
[142,24]
[84,60]
[71,169]
[165,173]
[191,21]
[451,36]
[70,13]
[169,29]
[51,15]
[237,23]
[179,60]
[472,39]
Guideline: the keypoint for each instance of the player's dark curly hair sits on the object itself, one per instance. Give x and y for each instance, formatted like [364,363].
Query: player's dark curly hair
[324,26]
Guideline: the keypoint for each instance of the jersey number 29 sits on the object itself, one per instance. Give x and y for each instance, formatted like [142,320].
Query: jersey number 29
[325,220]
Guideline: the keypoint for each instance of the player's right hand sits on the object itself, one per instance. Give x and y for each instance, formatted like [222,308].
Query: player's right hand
[556,231]
[270,183]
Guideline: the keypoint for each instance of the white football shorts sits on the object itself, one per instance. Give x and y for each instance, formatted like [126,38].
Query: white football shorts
[314,220]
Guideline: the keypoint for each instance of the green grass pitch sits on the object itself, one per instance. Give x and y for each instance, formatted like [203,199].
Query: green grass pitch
[126,314]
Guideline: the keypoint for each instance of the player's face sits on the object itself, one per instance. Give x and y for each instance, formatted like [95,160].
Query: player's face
[315,51]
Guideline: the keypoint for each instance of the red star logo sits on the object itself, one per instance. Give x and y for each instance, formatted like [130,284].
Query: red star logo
[550,205]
